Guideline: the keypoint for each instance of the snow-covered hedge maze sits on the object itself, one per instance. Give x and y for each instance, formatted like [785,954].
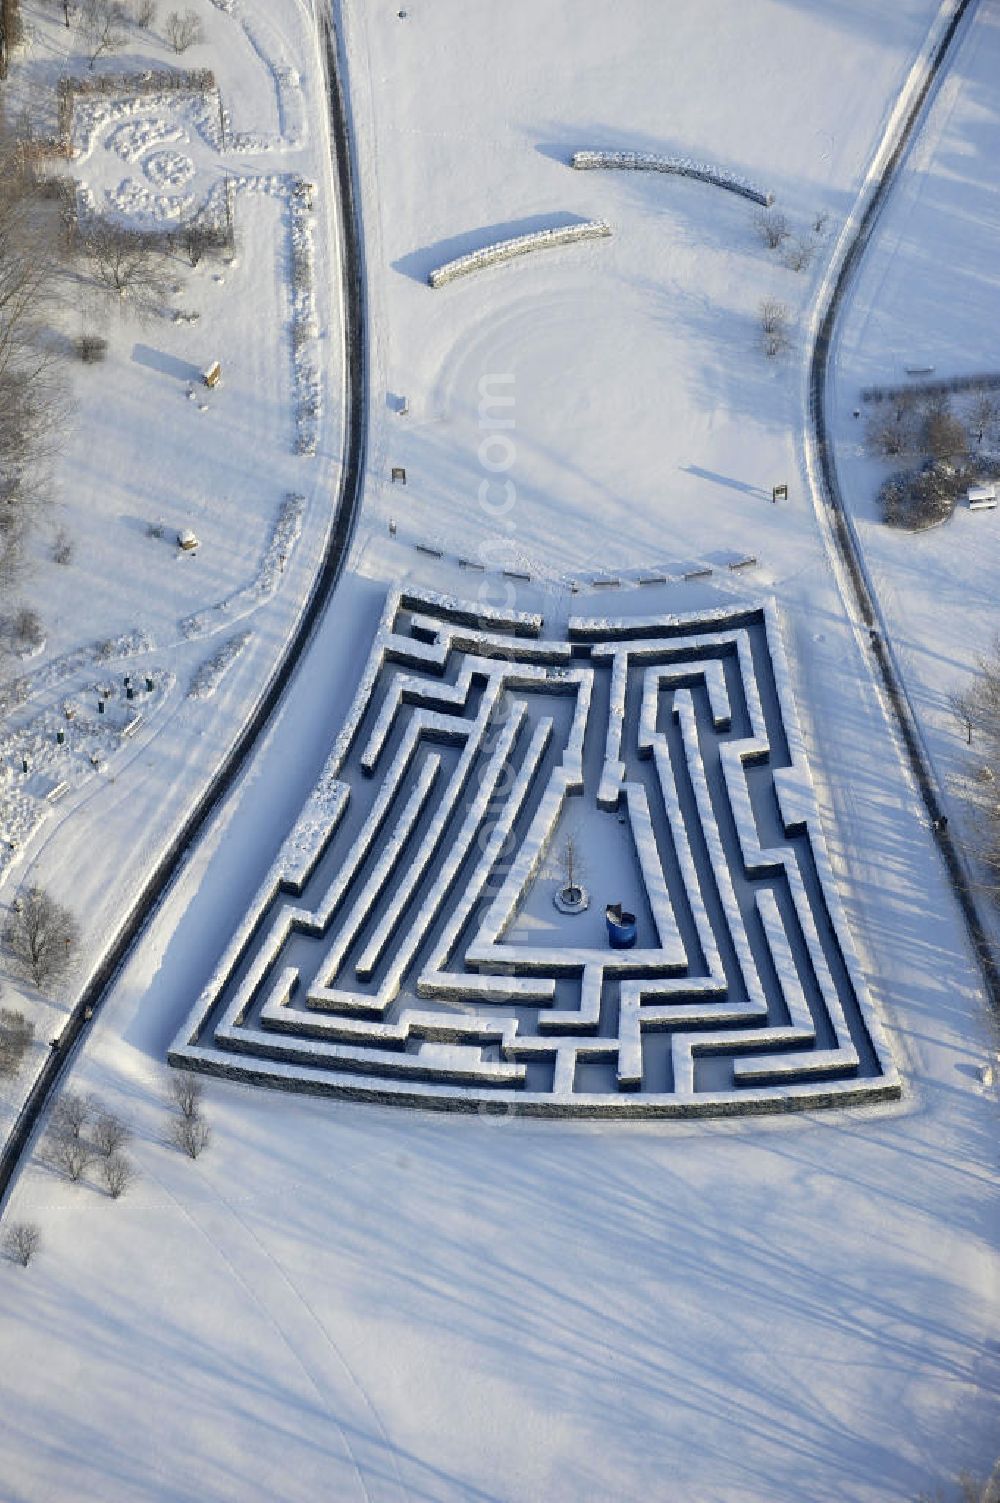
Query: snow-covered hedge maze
[645,161]
[403,947]
[522,245]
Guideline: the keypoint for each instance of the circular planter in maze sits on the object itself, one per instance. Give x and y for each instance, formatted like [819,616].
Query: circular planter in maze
[571,899]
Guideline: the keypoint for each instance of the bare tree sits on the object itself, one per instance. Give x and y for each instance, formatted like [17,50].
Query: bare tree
[27,630]
[798,254]
[110,1134]
[890,434]
[187,1090]
[184,30]
[70,1156]
[191,1135]
[974,1489]
[196,238]
[772,227]
[68,8]
[16,1035]
[71,1114]
[11,31]
[944,435]
[127,264]
[983,415]
[102,29]
[143,13]
[118,1173]
[979,704]
[62,548]
[978,710]
[774,319]
[21,1241]
[41,935]
[572,865]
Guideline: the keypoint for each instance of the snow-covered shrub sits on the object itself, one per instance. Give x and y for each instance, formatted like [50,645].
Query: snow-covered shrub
[211,673]
[915,499]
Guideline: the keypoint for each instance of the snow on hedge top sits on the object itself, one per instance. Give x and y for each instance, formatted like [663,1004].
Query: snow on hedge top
[646,161]
[506,250]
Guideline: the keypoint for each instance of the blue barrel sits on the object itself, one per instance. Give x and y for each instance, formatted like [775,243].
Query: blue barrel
[621,927]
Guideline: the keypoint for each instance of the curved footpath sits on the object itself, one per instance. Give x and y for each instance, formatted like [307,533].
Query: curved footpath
[346,513]
[845,536]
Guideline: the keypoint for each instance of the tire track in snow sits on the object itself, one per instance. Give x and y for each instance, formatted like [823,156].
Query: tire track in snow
[317,1324]
[254,1277]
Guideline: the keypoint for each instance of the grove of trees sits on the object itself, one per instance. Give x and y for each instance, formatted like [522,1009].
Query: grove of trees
[945,449]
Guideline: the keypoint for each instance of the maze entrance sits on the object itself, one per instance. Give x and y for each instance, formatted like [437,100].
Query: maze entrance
[404,946]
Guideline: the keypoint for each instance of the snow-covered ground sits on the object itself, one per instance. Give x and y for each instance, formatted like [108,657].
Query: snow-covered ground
[646,426]
[489,1308]
[344,1301]
[929,296]
[149,450]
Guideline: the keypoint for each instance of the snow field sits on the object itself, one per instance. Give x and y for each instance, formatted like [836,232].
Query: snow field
[722,1308]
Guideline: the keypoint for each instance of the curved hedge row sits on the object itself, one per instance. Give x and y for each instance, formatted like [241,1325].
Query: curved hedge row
[645,161]
[506,250]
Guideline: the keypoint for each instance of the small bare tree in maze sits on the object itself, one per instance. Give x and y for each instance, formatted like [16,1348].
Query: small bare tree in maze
[405,946]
